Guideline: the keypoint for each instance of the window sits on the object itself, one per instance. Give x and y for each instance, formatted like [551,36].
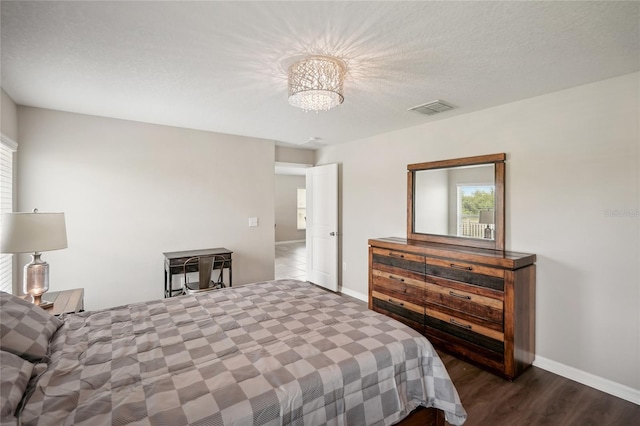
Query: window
[302,209]
[7,148]
[476,204]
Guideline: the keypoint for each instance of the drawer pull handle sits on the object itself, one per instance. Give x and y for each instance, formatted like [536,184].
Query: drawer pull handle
[459,296]
[466,268]
[396,303]
[458,324]
[396,255]
[396,278]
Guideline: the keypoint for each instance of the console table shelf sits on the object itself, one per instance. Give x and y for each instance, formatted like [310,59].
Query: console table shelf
[174,264]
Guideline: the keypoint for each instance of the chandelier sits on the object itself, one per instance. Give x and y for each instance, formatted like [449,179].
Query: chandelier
[315,83]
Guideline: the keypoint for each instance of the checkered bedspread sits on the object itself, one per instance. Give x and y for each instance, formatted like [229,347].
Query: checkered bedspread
[273,353]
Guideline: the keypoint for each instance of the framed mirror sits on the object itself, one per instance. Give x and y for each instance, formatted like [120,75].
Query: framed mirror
[458,201]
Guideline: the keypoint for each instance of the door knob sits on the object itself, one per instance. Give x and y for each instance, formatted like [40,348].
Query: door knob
[332,234]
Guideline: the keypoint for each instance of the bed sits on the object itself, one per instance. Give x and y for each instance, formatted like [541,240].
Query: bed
[273,353]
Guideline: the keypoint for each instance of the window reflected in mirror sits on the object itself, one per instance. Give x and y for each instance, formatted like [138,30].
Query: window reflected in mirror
[455,201]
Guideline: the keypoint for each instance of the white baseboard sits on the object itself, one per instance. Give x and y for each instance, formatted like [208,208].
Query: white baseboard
[292,241]
[600,383]
[355,294]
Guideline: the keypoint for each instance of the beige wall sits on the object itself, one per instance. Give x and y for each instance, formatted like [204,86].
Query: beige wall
[8,116]
[131,191]
[294,155]
[286,202]
[572,197]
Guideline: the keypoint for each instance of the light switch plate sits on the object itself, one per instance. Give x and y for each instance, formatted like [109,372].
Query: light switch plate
[253,221]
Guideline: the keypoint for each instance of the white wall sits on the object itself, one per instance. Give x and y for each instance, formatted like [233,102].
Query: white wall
[131,191]
[8,116]
[431,194]
[286,202]
[572,197]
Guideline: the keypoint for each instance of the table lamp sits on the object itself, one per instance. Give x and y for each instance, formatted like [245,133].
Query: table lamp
[34,233]
[487,218]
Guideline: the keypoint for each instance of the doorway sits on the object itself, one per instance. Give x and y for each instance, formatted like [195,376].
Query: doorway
[290,226]
[291,260]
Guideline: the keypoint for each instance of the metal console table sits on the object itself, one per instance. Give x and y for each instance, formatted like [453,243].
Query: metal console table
[174,264]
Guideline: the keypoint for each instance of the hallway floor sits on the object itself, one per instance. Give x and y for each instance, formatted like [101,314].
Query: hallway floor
[291,261]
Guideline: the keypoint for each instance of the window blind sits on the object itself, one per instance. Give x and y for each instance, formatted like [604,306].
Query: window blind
[7,148]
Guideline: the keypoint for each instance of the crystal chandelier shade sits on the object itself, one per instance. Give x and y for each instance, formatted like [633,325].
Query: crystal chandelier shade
[315,83]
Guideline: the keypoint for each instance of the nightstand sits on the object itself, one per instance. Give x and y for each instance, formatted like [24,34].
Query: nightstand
[65,301]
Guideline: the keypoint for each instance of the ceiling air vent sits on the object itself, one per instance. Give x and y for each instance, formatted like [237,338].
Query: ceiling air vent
[432,108]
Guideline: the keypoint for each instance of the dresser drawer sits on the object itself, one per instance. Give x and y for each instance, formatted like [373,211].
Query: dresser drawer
[399,260]
[400,309]
[399,255]
[465,330]
[465,320]
[471,300]
[464,266]
[492,359]
[397,284]
[482,276]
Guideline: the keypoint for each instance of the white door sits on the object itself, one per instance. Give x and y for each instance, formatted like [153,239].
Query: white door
[322,226]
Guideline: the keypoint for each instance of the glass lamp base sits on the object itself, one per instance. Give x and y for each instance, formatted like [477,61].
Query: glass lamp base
[37,300]
[487,232]
[36,280]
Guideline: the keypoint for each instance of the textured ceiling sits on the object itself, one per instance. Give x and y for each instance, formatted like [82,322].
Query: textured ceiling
[220,66]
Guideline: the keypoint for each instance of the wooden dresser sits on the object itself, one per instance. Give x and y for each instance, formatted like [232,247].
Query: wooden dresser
[477,304]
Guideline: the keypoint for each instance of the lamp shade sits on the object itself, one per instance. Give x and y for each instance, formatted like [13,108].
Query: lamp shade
[33,232]
[486,217]
[315,83]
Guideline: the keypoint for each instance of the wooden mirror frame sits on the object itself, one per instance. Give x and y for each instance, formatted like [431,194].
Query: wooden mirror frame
[499,181]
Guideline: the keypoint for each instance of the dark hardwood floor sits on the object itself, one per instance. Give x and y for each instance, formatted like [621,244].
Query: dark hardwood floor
[537,397]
